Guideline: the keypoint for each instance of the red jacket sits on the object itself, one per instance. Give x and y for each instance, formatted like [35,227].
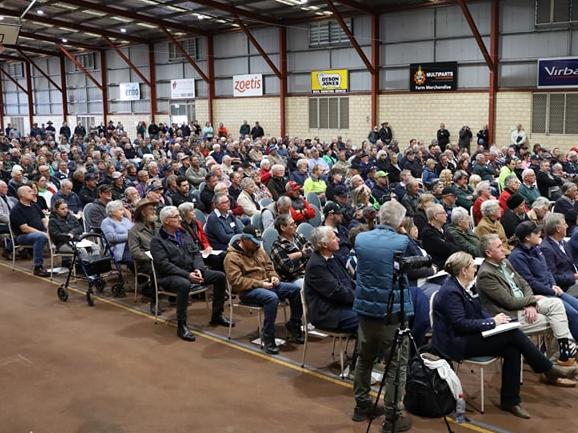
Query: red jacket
[302,215]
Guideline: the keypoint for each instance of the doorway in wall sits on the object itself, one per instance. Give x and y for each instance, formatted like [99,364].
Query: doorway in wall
[18,123]
[182,112]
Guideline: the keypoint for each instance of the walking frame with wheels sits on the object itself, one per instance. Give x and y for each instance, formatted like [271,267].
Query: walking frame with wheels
[401,333]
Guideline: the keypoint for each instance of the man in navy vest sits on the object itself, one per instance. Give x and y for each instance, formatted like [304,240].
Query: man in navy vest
[377,302]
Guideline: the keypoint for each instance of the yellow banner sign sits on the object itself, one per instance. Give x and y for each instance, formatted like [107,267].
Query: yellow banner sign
[331,81]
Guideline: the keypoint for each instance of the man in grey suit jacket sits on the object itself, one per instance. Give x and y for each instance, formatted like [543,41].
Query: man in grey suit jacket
[503,290]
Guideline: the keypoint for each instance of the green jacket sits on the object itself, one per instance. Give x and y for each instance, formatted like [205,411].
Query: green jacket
[465,196]
[466,240]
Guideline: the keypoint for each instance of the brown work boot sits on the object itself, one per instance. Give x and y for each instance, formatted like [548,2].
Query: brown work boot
[402,423]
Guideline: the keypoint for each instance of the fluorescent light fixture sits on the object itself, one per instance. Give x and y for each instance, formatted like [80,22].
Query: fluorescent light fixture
[148,26]
[201,16]
[222,21]
[327,13]
[68,29]
[174,8]
[65,6]
[40,12]
[122,30]
[122,19]
[95,13]
[150,2]
[91,34]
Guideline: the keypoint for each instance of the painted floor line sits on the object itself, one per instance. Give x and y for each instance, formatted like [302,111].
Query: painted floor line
[279,360]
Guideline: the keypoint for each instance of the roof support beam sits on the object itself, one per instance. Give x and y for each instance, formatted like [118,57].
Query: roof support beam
[16,83]
[32,50]
[44,74]
[152,81]
[357,6]
[235,11]
[58,41]
[9,57]
[79,66]
[132,15]
[61,23]
[476,33]
[63,87]
[124,57]
[30,99]
[186,55]
[352,39]
[258,47]
[1,104]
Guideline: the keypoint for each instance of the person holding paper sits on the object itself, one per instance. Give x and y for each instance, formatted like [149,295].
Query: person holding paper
[503,290]
[459,321]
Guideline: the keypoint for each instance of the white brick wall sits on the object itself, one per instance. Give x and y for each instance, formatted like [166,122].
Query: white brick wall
[232,112]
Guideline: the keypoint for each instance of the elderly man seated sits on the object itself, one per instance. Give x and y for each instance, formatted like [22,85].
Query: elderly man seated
[179,267]
[328,286]
[291,251]
[252,276]
[558,253]
[503,290]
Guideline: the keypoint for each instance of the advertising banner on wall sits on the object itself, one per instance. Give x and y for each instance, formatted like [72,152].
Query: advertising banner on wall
[183,89]
[129,91]
[330,81]
[558,72]
[427,77]
[248,85]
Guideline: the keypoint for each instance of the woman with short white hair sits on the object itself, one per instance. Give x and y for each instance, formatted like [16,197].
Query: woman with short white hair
[483,192]
[246,199]
[461,233]
[115,228]
[490,223]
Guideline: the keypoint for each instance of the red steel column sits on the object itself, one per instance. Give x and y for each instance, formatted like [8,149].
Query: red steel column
[211,77]
[63,87]
[153,81]
[104,84]
[375,64]
[30,99]
[1,103]
[494,53]
[283,81]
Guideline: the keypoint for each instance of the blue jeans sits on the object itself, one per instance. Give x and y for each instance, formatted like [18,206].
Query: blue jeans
[269,300]
[38,240]
[571,307]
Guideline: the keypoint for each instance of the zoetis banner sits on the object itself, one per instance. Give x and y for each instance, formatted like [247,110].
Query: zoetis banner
[425,77]
[558,72]
[129,91]
[183,89]
[330,81]
[248,85]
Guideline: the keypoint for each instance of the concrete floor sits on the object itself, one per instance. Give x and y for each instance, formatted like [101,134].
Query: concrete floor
[66,367]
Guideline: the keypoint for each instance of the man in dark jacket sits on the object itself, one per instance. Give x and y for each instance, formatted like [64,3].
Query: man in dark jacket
[385,133]
[180,268]
[443,136]
[221,224]
[328,286]
[567,205]
[257,131]
[278,181]
[87,193]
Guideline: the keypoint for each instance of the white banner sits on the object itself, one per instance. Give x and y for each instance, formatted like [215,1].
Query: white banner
[248,85]
[183,89]
[129,91]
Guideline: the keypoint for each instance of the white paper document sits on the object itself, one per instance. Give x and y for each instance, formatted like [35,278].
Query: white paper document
[501,328]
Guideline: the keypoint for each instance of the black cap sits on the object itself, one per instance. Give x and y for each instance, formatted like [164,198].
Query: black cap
[89,176]
[331,207]
[448,190]
[252,233]
[154,186]
[525,229]
[515,200]
[340,190]
[104,187]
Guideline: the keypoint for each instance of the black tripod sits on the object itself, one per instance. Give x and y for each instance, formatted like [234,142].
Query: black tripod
[402,333]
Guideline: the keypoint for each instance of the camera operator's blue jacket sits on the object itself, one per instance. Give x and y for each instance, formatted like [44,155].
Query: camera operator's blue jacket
[375,254]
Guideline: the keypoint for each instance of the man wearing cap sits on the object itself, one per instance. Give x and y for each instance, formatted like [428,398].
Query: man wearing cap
[448,200]
[333,217]
[274,156]
[381,190]
[528,260]
[118,185]
[97,213]
[301,210]
[567,205]
[370,179]
[50,129]
[252,277]
[514,215]
[154,192]
[88,193]
[180,268]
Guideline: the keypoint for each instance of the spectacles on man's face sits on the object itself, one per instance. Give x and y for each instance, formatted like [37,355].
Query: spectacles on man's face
[174,216]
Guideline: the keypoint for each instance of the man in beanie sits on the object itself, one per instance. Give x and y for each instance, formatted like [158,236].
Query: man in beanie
[514,215]
[567,205]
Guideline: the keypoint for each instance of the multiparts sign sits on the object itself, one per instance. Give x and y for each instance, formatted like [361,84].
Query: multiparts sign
[330,81]
[558,72]
[427,77]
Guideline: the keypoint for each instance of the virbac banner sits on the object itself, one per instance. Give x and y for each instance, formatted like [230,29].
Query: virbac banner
[558,72]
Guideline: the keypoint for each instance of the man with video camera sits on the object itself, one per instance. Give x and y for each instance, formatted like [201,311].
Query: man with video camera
[377,302]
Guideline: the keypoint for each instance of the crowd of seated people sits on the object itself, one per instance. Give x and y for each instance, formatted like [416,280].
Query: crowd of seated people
[514,206]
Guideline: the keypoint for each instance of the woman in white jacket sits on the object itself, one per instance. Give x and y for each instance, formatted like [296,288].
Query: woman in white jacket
[246,198]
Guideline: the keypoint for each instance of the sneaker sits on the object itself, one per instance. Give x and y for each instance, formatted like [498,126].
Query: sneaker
[403,423]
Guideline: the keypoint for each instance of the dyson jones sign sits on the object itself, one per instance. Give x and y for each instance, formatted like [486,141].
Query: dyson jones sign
[558,72]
